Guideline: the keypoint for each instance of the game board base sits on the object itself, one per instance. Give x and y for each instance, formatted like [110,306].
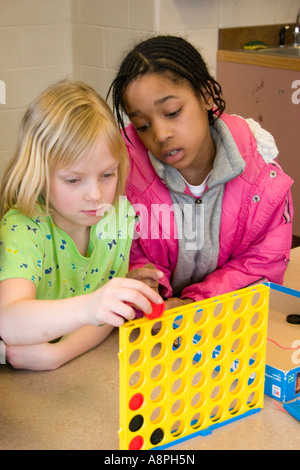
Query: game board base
[207,431]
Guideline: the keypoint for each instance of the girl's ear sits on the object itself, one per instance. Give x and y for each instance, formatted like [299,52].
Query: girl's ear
[208,101]
[208,97]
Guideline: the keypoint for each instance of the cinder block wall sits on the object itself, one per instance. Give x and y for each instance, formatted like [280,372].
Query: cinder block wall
[42,41]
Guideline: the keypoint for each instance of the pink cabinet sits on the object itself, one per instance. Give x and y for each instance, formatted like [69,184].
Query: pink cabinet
[271,96]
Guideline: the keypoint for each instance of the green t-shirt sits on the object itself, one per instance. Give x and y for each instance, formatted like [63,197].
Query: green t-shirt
[37,250]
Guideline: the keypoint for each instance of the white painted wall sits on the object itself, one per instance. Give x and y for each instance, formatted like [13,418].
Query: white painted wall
[42,41]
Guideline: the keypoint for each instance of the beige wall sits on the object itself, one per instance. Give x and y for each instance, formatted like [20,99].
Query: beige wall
[45,40]
[35,50]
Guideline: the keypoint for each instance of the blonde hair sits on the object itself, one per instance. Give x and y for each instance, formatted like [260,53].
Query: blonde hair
[56,131]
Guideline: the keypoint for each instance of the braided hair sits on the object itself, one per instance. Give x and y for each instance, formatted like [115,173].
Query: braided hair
[166,54]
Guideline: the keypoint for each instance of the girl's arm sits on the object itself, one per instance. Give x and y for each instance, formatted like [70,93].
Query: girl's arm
[50,356]
[265,257]
[25,320]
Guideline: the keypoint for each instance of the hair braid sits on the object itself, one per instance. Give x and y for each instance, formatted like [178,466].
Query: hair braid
[162,54]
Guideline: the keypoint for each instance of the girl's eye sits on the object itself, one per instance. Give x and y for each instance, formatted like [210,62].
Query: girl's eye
[142,128]
[109,175]
[174,113]
[72,180]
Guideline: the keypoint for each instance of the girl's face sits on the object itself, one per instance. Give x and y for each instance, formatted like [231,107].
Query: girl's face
[172,122]
[78,191]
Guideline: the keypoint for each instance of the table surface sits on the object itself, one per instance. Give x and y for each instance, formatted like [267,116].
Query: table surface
[77,406]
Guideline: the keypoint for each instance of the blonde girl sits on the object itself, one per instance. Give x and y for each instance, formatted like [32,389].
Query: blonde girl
[65,233]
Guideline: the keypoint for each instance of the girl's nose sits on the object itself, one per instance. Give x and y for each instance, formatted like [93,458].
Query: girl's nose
[162,132]
[94,192]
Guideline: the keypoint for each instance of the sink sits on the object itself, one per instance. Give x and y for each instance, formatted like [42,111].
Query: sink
[285,51]
[290,51]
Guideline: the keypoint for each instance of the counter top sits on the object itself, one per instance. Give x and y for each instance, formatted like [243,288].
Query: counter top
[261,60]
[77,406]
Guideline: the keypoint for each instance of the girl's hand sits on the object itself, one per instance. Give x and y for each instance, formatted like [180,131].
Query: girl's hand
[111,303]
[147,274]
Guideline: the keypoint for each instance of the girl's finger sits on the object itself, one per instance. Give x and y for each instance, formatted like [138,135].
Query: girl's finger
[145,273]
[142,288]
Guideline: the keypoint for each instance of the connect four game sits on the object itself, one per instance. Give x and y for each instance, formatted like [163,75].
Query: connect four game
[192,370]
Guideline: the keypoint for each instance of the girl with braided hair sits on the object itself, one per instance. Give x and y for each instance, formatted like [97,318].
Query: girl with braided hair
[214,207]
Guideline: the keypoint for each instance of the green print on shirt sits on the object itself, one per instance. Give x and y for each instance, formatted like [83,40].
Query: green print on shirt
[44,254]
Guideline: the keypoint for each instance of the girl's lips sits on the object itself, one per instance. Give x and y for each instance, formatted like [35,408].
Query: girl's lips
[93,212]
[100,211]
[103,209]
[173,156]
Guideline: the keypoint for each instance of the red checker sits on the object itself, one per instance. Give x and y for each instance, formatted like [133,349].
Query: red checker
[157,311]
[136,401]
[136,443]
